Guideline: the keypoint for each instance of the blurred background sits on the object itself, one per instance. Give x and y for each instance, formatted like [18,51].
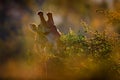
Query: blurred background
[16,15]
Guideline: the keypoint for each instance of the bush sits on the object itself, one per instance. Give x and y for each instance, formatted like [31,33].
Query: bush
[82,57]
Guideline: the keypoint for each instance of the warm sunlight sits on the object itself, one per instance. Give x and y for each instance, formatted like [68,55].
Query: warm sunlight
[59,40]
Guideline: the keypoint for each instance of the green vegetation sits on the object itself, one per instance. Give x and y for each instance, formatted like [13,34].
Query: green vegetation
[91,55]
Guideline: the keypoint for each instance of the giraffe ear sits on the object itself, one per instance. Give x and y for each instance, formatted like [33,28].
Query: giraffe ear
[33,27]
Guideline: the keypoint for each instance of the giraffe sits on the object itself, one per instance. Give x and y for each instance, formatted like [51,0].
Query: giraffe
[46,38]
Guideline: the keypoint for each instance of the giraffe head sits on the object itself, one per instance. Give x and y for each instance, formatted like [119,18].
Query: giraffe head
[46,28]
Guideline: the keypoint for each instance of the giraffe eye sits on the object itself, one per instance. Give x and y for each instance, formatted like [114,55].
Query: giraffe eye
[33,27]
